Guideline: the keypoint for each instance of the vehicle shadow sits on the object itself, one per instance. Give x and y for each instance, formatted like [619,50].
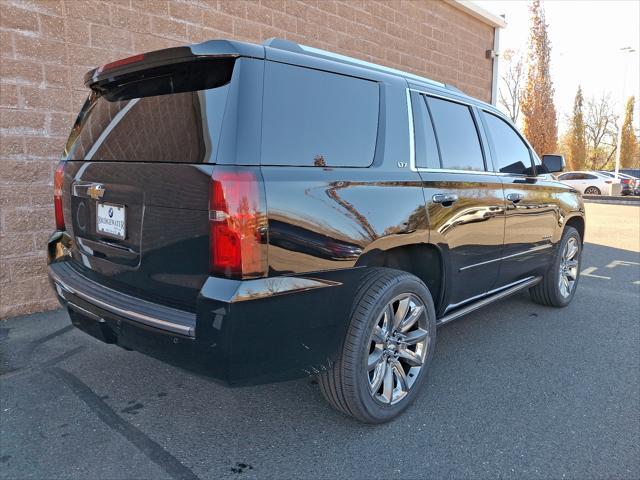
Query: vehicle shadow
[513,377]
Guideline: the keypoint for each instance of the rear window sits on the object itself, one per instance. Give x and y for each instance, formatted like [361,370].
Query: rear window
[316,118]
[155,118]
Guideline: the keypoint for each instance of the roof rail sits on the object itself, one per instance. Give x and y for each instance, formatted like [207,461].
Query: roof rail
[290,46]
[453,88]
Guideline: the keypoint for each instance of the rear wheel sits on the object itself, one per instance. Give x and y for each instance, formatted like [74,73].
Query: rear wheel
[559,283]
[592,191]
[387,350]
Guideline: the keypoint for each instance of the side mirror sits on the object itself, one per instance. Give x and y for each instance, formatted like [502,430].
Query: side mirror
[552,163]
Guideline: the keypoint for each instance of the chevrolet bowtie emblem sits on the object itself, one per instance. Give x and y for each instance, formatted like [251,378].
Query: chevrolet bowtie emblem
[95,191]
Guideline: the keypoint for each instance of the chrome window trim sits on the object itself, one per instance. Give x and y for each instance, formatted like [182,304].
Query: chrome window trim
[465,172]
[412,140]
[443,97]
[454,99]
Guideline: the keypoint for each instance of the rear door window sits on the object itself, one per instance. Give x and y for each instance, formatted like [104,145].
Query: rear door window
[317,118]
[457,135]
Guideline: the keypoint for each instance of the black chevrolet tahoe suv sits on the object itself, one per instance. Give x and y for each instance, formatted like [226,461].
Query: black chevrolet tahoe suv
[258,213]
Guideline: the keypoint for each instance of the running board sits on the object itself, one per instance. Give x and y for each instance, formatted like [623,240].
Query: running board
[487,300]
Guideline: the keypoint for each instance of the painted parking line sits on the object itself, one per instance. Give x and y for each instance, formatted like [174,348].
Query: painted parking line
[617,263]
[588,272]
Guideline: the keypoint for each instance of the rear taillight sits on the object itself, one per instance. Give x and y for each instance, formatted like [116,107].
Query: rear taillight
[237,223]
[58,178]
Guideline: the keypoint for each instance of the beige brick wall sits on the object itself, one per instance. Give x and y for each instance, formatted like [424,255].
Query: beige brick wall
[46,46]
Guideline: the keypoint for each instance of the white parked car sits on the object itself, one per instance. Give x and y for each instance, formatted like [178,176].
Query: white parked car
[591,183]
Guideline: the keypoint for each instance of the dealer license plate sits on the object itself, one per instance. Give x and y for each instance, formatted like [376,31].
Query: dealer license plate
[111,220]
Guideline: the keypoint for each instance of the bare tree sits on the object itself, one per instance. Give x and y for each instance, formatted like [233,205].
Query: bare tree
[601,131]
[511,82]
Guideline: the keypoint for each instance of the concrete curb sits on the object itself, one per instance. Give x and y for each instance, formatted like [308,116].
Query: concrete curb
[626,200]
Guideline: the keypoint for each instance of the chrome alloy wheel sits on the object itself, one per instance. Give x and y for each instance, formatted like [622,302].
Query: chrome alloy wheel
[568,267]
[397,348]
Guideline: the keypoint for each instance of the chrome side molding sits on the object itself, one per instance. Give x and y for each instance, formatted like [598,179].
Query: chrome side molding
[507,257]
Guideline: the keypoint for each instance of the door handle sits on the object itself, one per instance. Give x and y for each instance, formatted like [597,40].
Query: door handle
[445,198]
[514,197]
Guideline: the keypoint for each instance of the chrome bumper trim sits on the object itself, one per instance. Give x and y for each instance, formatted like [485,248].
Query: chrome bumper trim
[135,316]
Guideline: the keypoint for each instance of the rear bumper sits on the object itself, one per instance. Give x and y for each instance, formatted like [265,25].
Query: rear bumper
[71,286]
[243,332]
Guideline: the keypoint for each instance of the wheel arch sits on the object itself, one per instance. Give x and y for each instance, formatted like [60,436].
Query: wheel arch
[423,260]
[577,222]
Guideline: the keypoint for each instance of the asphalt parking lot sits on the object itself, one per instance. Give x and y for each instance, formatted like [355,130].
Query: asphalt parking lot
[515,391]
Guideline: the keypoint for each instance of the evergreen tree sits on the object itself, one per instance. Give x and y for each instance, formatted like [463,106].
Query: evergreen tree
[629,144]
[577,140]
[539,112]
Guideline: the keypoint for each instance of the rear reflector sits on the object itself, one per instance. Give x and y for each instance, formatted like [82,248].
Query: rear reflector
[237,224]
[58,178]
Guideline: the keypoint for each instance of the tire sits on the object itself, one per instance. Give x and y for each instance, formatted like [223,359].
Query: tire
[592,191]
[549,291]
[383,295]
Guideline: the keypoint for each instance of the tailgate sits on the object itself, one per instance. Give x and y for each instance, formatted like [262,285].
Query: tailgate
[162,253]
[135,194]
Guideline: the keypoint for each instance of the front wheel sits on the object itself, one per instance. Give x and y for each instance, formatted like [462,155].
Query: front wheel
[558,286]
[387,350]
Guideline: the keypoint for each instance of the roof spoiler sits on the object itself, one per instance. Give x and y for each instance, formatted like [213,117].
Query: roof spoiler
[107,73]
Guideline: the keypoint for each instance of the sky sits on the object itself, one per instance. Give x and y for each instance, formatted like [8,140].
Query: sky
[586,38]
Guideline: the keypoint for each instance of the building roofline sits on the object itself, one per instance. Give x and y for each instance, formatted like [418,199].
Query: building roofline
[478,12]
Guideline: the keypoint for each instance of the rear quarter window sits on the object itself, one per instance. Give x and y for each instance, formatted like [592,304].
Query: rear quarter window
[317,118]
